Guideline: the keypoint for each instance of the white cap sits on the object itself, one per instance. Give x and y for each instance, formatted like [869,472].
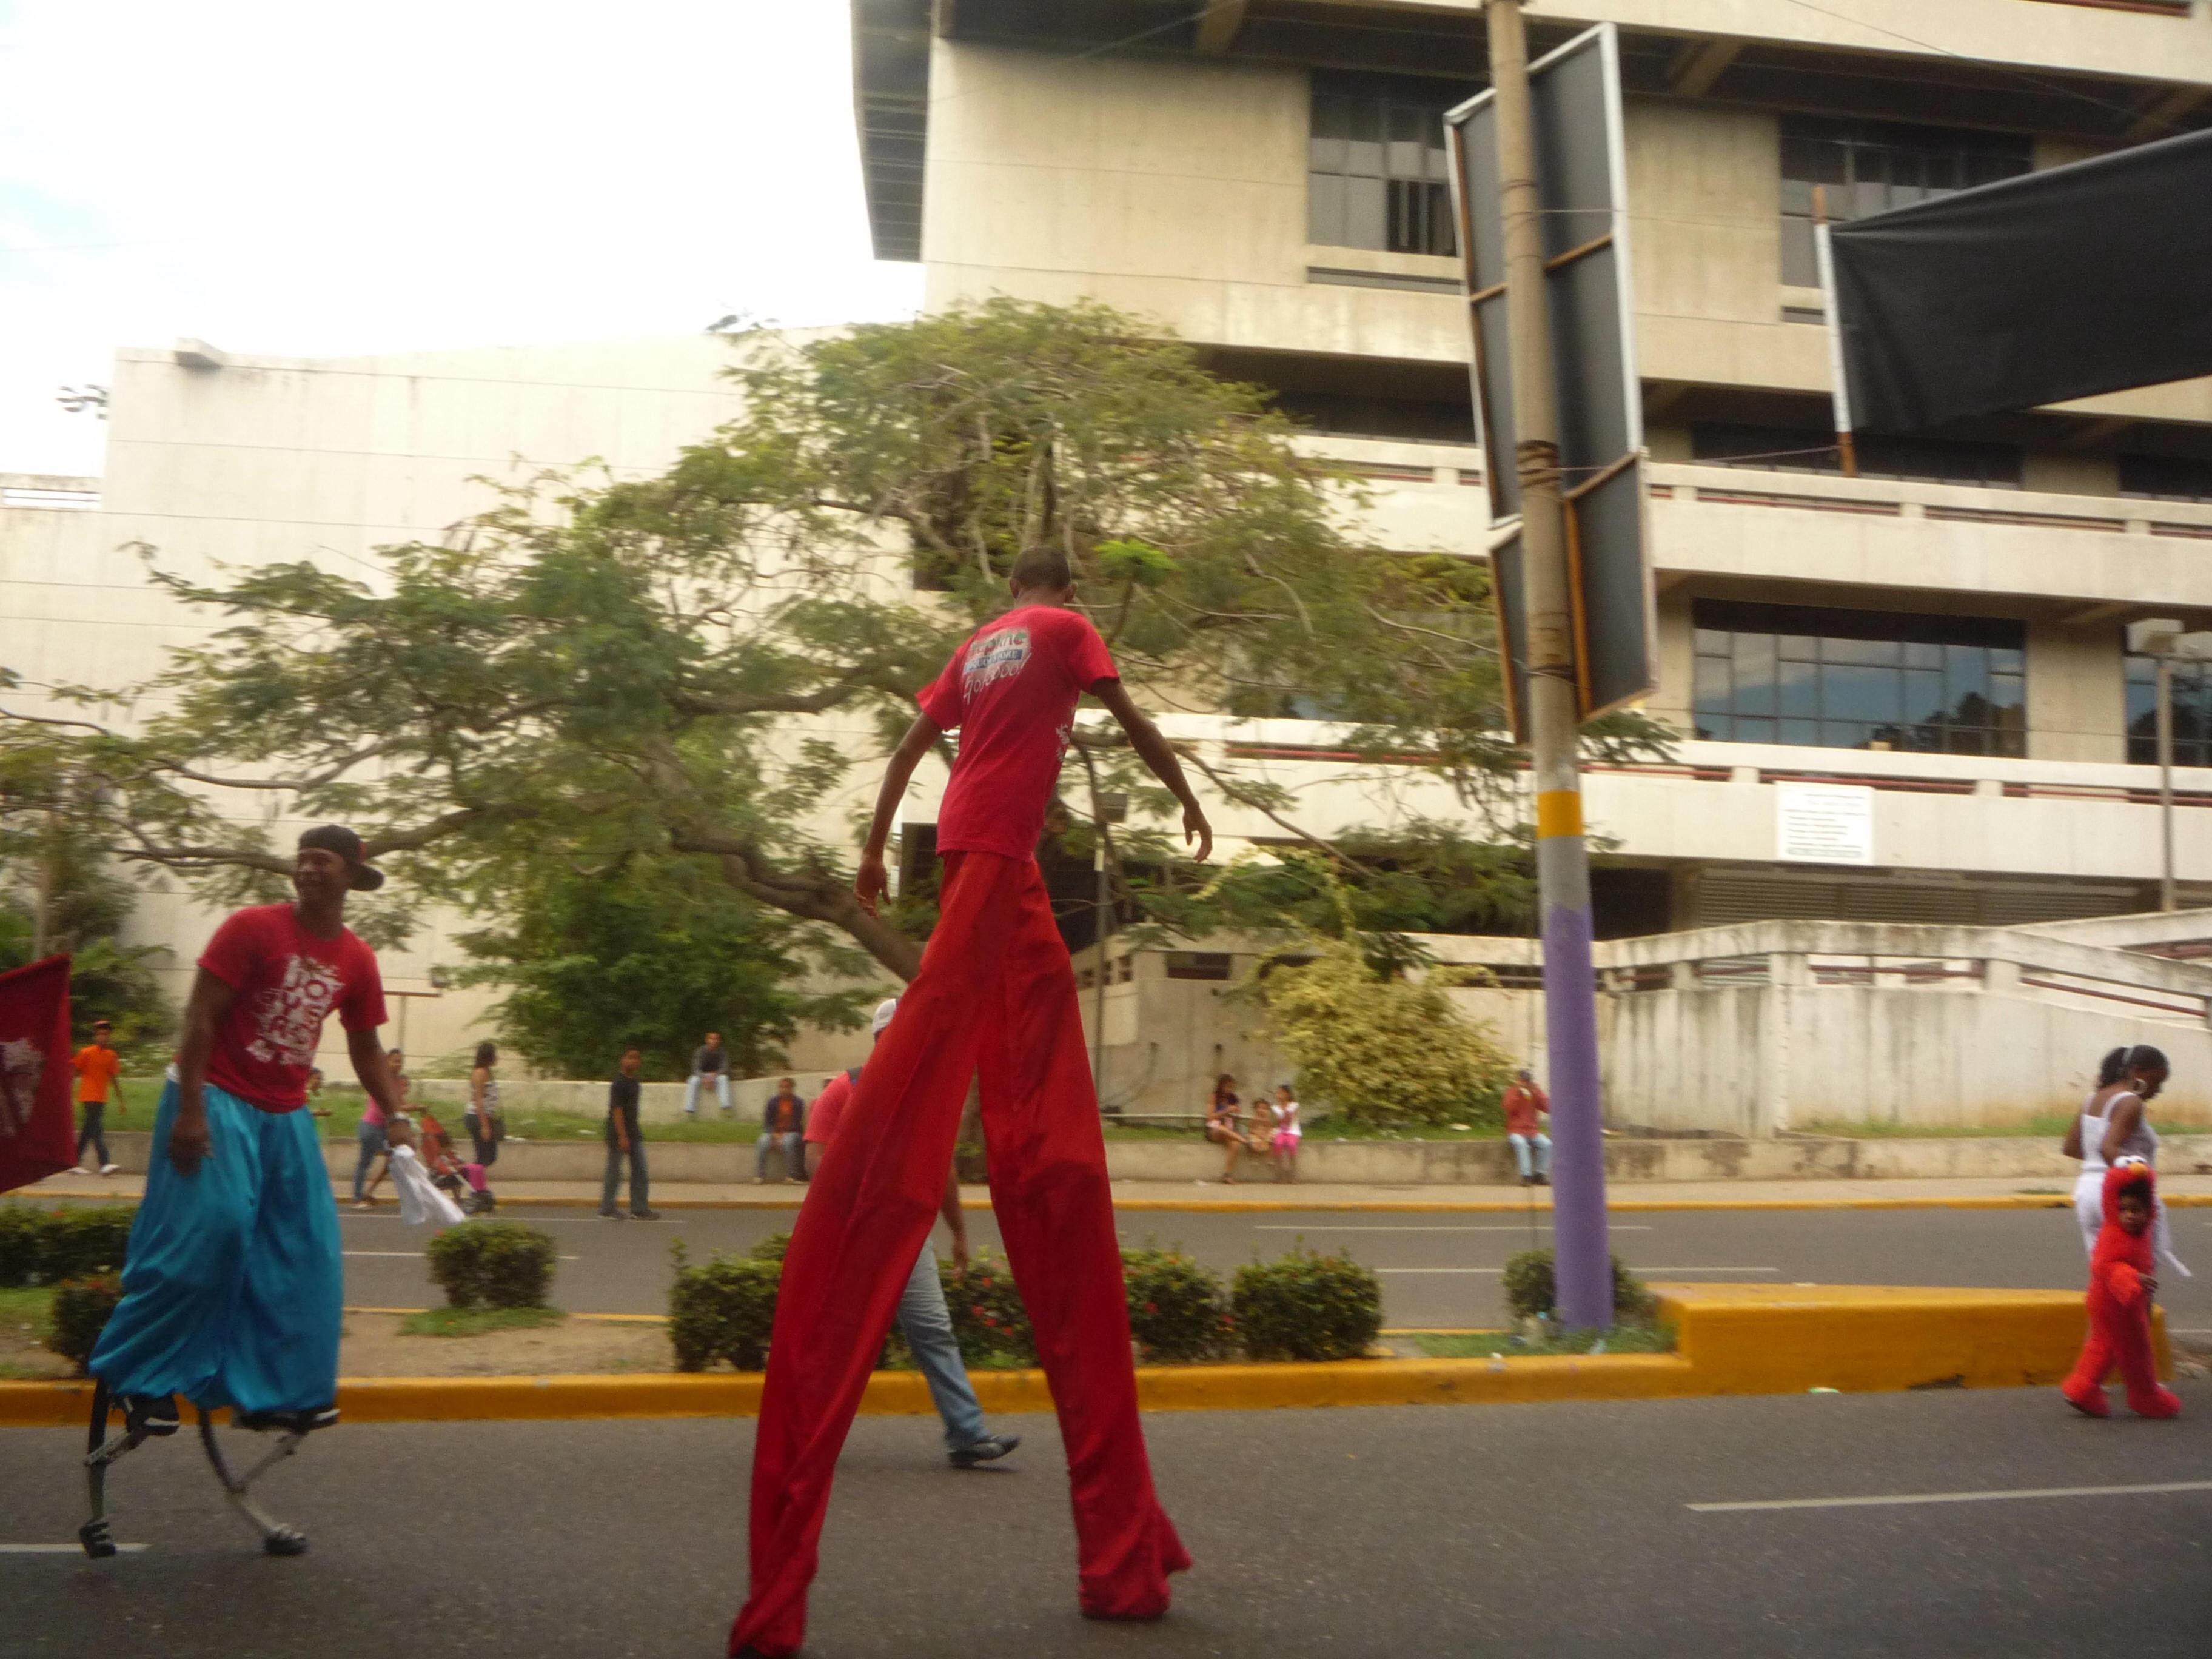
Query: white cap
[884,1010]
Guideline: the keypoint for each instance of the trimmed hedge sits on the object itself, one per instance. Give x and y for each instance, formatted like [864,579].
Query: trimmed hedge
[1176,1314]
[493,1264]
[988,1319]
[44,1246]
[723,1307]
[80,1314]
[1307,1307]
[1530,1292]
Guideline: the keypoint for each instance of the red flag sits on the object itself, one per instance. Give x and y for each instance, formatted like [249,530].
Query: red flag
[37,1137]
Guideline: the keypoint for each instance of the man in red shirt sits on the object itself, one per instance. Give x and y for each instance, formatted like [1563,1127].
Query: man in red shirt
[1524,1102]
[232,1286]
[995,995]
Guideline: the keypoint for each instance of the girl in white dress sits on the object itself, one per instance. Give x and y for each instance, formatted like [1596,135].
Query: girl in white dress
[2115,1123]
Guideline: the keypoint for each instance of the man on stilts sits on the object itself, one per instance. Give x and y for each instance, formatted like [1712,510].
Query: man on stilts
[995,996]
[232,1284]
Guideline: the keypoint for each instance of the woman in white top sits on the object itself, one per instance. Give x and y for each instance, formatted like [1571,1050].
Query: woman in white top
[2115,1123]
[483,1118]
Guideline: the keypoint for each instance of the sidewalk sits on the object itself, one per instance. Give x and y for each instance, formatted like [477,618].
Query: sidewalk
[1621,1195]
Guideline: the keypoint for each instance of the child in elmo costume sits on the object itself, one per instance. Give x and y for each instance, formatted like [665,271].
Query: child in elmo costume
[2120,1287]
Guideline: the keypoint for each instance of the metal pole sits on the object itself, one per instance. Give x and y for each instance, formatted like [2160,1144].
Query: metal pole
[1847,455]
[1098,1008]
[2166,782]
[1582,1266]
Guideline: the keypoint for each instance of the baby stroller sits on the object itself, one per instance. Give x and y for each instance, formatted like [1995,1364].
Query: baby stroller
[463,1184]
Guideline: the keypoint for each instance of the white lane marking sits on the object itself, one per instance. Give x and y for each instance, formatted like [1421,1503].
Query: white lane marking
[2146,1489]
[60,1549]
[1362,1227]
[417,1255]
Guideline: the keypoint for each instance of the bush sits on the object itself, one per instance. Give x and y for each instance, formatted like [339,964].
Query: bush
[988,1319]
[1175,1311]
[723,1307]
[44,1246]
[80,1314]
[1531,1294]
[81,1243]
[493,1264]
[773,1248]
[1307,1307]
[22,1243]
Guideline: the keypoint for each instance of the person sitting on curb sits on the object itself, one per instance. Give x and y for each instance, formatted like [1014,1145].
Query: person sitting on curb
[923,1318]
[711,1065]
[1284,1140]
[1224,1126]
[1525,1103]
[783,1123]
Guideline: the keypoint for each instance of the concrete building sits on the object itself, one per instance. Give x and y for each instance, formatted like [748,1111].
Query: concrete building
[1942,636]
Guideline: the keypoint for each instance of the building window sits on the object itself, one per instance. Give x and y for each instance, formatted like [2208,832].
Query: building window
[1860,679]
[2193,712]
[1871,167]
[2166,478]
[1198,965]
[1799,449]
[1378,178]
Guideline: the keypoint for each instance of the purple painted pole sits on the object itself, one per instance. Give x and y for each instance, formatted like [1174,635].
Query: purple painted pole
[1582,1256]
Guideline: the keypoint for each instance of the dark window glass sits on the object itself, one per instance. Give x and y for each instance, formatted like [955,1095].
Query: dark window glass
[2165,477]
[1198,965]
[1378,167]
[1871,167]
[1800,449]
[1861,679]
[2193,712]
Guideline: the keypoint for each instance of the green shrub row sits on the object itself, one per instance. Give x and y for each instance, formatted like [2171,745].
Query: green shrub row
[1530,1292]
[45,1247]
[80,1314]
[493,1264]
[1303,1307]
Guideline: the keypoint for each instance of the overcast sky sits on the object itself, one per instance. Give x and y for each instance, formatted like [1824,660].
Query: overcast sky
[307,179]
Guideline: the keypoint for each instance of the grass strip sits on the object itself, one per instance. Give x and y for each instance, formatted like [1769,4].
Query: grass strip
[476,1321]
[1505,1344]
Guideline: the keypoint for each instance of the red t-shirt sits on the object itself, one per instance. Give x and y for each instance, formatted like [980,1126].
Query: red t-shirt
[288,982]
[1011,691]
[1522,1102]
[822,1116]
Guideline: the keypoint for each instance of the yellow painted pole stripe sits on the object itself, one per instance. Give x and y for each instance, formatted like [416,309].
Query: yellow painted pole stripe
[1558,812]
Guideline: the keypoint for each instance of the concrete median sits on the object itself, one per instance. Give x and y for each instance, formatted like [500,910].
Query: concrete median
[1734,1339]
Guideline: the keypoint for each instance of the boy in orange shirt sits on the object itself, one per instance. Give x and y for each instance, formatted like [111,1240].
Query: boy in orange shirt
[98,1069]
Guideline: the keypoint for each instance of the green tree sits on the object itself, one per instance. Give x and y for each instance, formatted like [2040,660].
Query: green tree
[652,956]
[598,670]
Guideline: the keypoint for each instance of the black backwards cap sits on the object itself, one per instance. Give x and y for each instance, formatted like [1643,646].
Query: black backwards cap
[337,838]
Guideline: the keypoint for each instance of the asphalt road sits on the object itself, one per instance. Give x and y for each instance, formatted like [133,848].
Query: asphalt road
[1438,1269]
[1556,1530]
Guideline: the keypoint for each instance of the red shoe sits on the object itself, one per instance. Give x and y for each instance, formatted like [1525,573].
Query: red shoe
[2168,1405]
[2094,1403]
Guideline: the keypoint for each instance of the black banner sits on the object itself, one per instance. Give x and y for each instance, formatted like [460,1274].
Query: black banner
[2091,277]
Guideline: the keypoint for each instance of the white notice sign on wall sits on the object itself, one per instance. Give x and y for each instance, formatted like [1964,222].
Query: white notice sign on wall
[1824,824]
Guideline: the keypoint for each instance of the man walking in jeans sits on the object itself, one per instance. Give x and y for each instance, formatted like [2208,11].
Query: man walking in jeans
[711,1064]
[923,1318]
[97,1066]
[783,1123]
[625,1139]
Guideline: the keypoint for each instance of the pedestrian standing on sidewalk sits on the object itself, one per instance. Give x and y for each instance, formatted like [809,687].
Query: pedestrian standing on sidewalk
[98,1069]
[485,1122]
[396,1063]
[626,1138]
[711,1065]
[923,1318]
[2115,1123]
[994,995]
[783,1123]
[1525,1103]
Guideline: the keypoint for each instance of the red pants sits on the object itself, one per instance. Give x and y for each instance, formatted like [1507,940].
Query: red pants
[996,996]
[2118,1335]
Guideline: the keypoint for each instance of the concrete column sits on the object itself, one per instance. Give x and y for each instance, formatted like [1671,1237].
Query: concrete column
[1788,967]
[1681,975]
[2000,976]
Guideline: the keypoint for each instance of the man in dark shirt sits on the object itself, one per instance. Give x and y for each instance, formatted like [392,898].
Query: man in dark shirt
[625,1137]
[783,1123]
[711,1065]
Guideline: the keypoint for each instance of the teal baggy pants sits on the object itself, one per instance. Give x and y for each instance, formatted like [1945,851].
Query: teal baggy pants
[233,1286]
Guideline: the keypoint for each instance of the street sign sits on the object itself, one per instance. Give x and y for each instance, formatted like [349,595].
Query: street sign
[1583,183]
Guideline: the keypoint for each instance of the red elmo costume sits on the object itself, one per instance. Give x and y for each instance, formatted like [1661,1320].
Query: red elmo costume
[2119,1310]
